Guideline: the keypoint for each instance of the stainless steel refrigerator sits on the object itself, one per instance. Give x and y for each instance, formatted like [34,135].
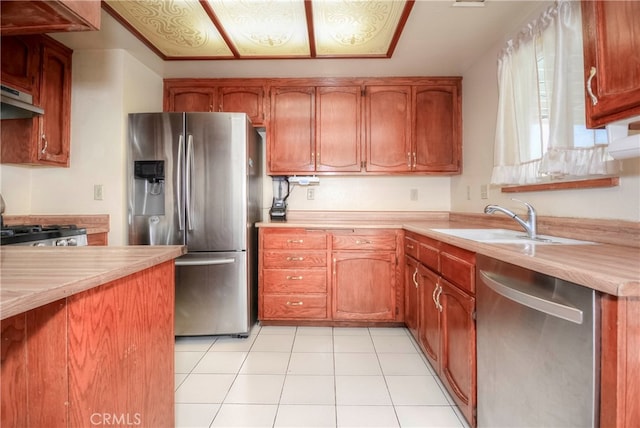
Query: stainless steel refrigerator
[195,179]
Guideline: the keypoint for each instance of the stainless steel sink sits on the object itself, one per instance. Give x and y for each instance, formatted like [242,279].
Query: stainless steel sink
[506,236]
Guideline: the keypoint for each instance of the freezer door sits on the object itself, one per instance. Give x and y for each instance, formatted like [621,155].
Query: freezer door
[216,181]
[213,295]
[156,214]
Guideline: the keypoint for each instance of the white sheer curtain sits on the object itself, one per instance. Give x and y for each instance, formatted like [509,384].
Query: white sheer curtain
[540,128]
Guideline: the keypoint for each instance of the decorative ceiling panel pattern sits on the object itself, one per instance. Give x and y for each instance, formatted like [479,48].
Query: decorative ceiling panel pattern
[251,29]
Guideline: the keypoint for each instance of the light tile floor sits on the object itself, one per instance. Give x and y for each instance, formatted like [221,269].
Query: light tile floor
[309,377]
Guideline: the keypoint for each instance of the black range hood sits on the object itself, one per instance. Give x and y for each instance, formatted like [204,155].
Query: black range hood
[17,105]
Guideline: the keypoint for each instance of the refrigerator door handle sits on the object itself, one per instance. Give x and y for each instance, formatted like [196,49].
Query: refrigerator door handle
[179,181]
[206,262]
[189,181]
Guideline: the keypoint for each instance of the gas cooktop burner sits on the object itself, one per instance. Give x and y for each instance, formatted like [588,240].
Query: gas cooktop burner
[29,234]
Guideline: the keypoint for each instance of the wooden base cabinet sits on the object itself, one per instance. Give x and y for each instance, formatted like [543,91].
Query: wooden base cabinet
[344,277]
[445,280]
[104,356]
[293,275]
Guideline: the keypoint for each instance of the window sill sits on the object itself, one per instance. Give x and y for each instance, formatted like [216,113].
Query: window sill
[563,185]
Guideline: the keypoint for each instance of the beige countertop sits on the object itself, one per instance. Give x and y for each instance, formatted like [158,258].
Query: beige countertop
[34,276]
[612,269]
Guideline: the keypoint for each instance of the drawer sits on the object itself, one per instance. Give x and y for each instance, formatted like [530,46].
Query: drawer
[458,266]
[378,240]
[294,281]
[291,239]
[428,254]
[410,247]
[299,306]
[293,259]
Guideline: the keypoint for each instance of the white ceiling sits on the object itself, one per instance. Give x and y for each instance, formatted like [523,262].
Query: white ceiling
[438,40]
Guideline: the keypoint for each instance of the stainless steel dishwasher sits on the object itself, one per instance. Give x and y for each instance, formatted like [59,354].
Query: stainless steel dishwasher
[538,363]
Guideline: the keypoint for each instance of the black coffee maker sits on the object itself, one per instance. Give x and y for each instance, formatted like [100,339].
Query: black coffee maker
[278,210]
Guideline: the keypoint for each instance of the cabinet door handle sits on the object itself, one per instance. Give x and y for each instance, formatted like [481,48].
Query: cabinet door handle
[433,295]
[592,74]
[415,280]
[295,259]
[363,242]
[409,246]
[409,159]
[439,306]
[46,144]
[300,303]
[295,241]
[294,278]
[415,159]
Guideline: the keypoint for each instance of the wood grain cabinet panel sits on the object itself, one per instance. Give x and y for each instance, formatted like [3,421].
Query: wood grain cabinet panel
[388,128]
[364,285]
[45,139]
[293,283]
[338,128]
[436,135]
[20,63]
[291,143]
[429,316]
[101,355]
[216,95]
[38,17]
[611,42]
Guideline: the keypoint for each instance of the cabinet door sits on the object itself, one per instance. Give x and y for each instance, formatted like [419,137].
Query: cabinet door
[436,137]
[411,296]
[611,37]
[244,99]
[192,99]
[291,145]
[55,98]
[388,128]
[364,285]
[458,352]
[20,63]
[338,127]
[429,316]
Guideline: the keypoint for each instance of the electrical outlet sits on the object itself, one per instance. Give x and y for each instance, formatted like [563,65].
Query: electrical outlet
[413,194]
[483,192]
[98,192]
[311,194]
[468,193]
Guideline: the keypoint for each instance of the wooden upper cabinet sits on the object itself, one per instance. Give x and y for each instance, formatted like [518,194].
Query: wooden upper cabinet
[191,99]
[388,128]
[44,140]
[216,95]
[20,63]
[38,17]
[55,97]
[249,100]
[338,128]
[437,141]
[291,142]
[611,37]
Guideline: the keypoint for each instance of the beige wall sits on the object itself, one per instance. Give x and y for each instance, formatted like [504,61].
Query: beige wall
[480,101]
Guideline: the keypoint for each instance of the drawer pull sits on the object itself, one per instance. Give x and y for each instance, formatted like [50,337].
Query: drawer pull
[295,259]
[295,303]
[294,278]
[409,246]
[295,241]
[363,242]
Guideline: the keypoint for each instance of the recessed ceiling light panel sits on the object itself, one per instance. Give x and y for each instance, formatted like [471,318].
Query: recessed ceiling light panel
[176,28]
[259,28]
[355,27]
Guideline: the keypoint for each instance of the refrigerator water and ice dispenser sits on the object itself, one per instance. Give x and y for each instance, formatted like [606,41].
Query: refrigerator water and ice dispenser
[148,187]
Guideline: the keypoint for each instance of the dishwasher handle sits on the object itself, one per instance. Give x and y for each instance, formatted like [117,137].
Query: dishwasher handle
[514,293]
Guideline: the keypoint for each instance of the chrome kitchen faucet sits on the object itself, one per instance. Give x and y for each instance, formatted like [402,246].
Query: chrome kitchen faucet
[529,225]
